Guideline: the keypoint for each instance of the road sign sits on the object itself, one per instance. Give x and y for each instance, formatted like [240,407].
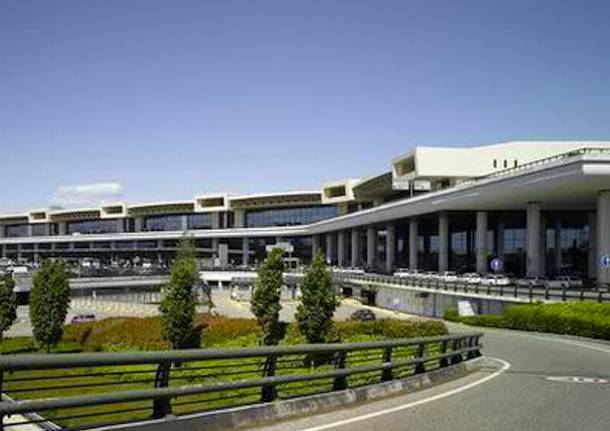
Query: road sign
[496,264]
[605,261]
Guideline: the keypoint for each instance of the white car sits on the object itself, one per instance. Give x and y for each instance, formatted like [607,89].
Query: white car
[400,272]
[495,280]
[532,282]
[565,281]
[449,277]
[471,278]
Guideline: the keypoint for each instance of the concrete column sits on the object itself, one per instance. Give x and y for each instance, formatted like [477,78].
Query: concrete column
[215,220]
[329,248]
[215,243]
[2,228]
[245,249]
[558,257]
[390,248]
[500,239]
[184,222]
[62,228]
[533,239]
[443,242]
[371,240]
[481,249]
[341,248]
[413,233]
[592,252]
[542,246]
[355,261]
[3,251]
[315,244]
[603,236]
[239,218]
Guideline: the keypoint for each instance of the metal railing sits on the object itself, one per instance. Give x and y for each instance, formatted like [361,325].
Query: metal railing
[88,389]
[527,293]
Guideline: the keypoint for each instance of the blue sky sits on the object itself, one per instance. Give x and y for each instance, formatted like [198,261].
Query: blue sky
[172,98]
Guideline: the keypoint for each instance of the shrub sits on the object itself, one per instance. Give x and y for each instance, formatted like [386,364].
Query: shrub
[49,303]
[8,303]
[452,314]
[178,305]
[353,331]
[575,318]
[318,303]
[265,301]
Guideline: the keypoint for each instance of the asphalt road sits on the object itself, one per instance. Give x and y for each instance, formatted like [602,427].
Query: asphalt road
[524,392]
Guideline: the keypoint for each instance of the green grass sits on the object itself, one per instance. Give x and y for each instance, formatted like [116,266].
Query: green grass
[583,319]
[144,334]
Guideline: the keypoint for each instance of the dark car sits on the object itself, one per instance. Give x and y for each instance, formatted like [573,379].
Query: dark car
[82,318]
[363,315]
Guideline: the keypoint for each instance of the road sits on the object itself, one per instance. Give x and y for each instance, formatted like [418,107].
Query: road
[517,395]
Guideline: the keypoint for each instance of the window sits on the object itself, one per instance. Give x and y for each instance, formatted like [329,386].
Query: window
[290,216]
[163,223]
[516,163]
[199,221]
[93,227]
[16,230]
[505,164]
[495,163]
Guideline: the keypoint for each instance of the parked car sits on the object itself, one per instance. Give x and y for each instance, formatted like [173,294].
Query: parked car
[402,272]
[532,282]
[565,281]
[495,280]
[449,277]
[363,315]
[471,278]
[82,318]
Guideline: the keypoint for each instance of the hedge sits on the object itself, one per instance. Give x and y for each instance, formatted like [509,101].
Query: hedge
[573,318]
[133,333]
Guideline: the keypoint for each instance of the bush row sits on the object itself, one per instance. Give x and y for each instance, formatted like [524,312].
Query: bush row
[574,318]
[132,333]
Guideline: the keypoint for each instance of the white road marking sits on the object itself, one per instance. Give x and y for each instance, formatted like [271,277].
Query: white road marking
[578,379]
[505,367]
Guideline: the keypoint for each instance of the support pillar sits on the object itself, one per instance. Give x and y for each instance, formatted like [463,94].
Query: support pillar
[500,228]
[371,240]
[390,248]
[413,233]
[329,248]
[315,244]
[592,252]
[341,248]
[481,250]
[533,239]
[245,250]
[603,237]
[184,222]
[443,242]
[558,257]
[355,251]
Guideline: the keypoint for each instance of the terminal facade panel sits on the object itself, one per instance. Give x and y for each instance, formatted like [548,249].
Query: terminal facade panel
[542,208]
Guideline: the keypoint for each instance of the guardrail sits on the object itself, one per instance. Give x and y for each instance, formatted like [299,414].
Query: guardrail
[87,389]
[530,293]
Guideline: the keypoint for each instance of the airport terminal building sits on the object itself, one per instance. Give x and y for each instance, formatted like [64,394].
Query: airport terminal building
[542,208]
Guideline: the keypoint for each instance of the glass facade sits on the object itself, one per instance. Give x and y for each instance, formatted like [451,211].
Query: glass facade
[290,216]
[164,223]
[39,229]
[16,230]
[178,222]
[94,227]
[199,221]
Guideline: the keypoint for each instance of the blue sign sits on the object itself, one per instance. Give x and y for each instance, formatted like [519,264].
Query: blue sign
[496,264]
[605,261]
